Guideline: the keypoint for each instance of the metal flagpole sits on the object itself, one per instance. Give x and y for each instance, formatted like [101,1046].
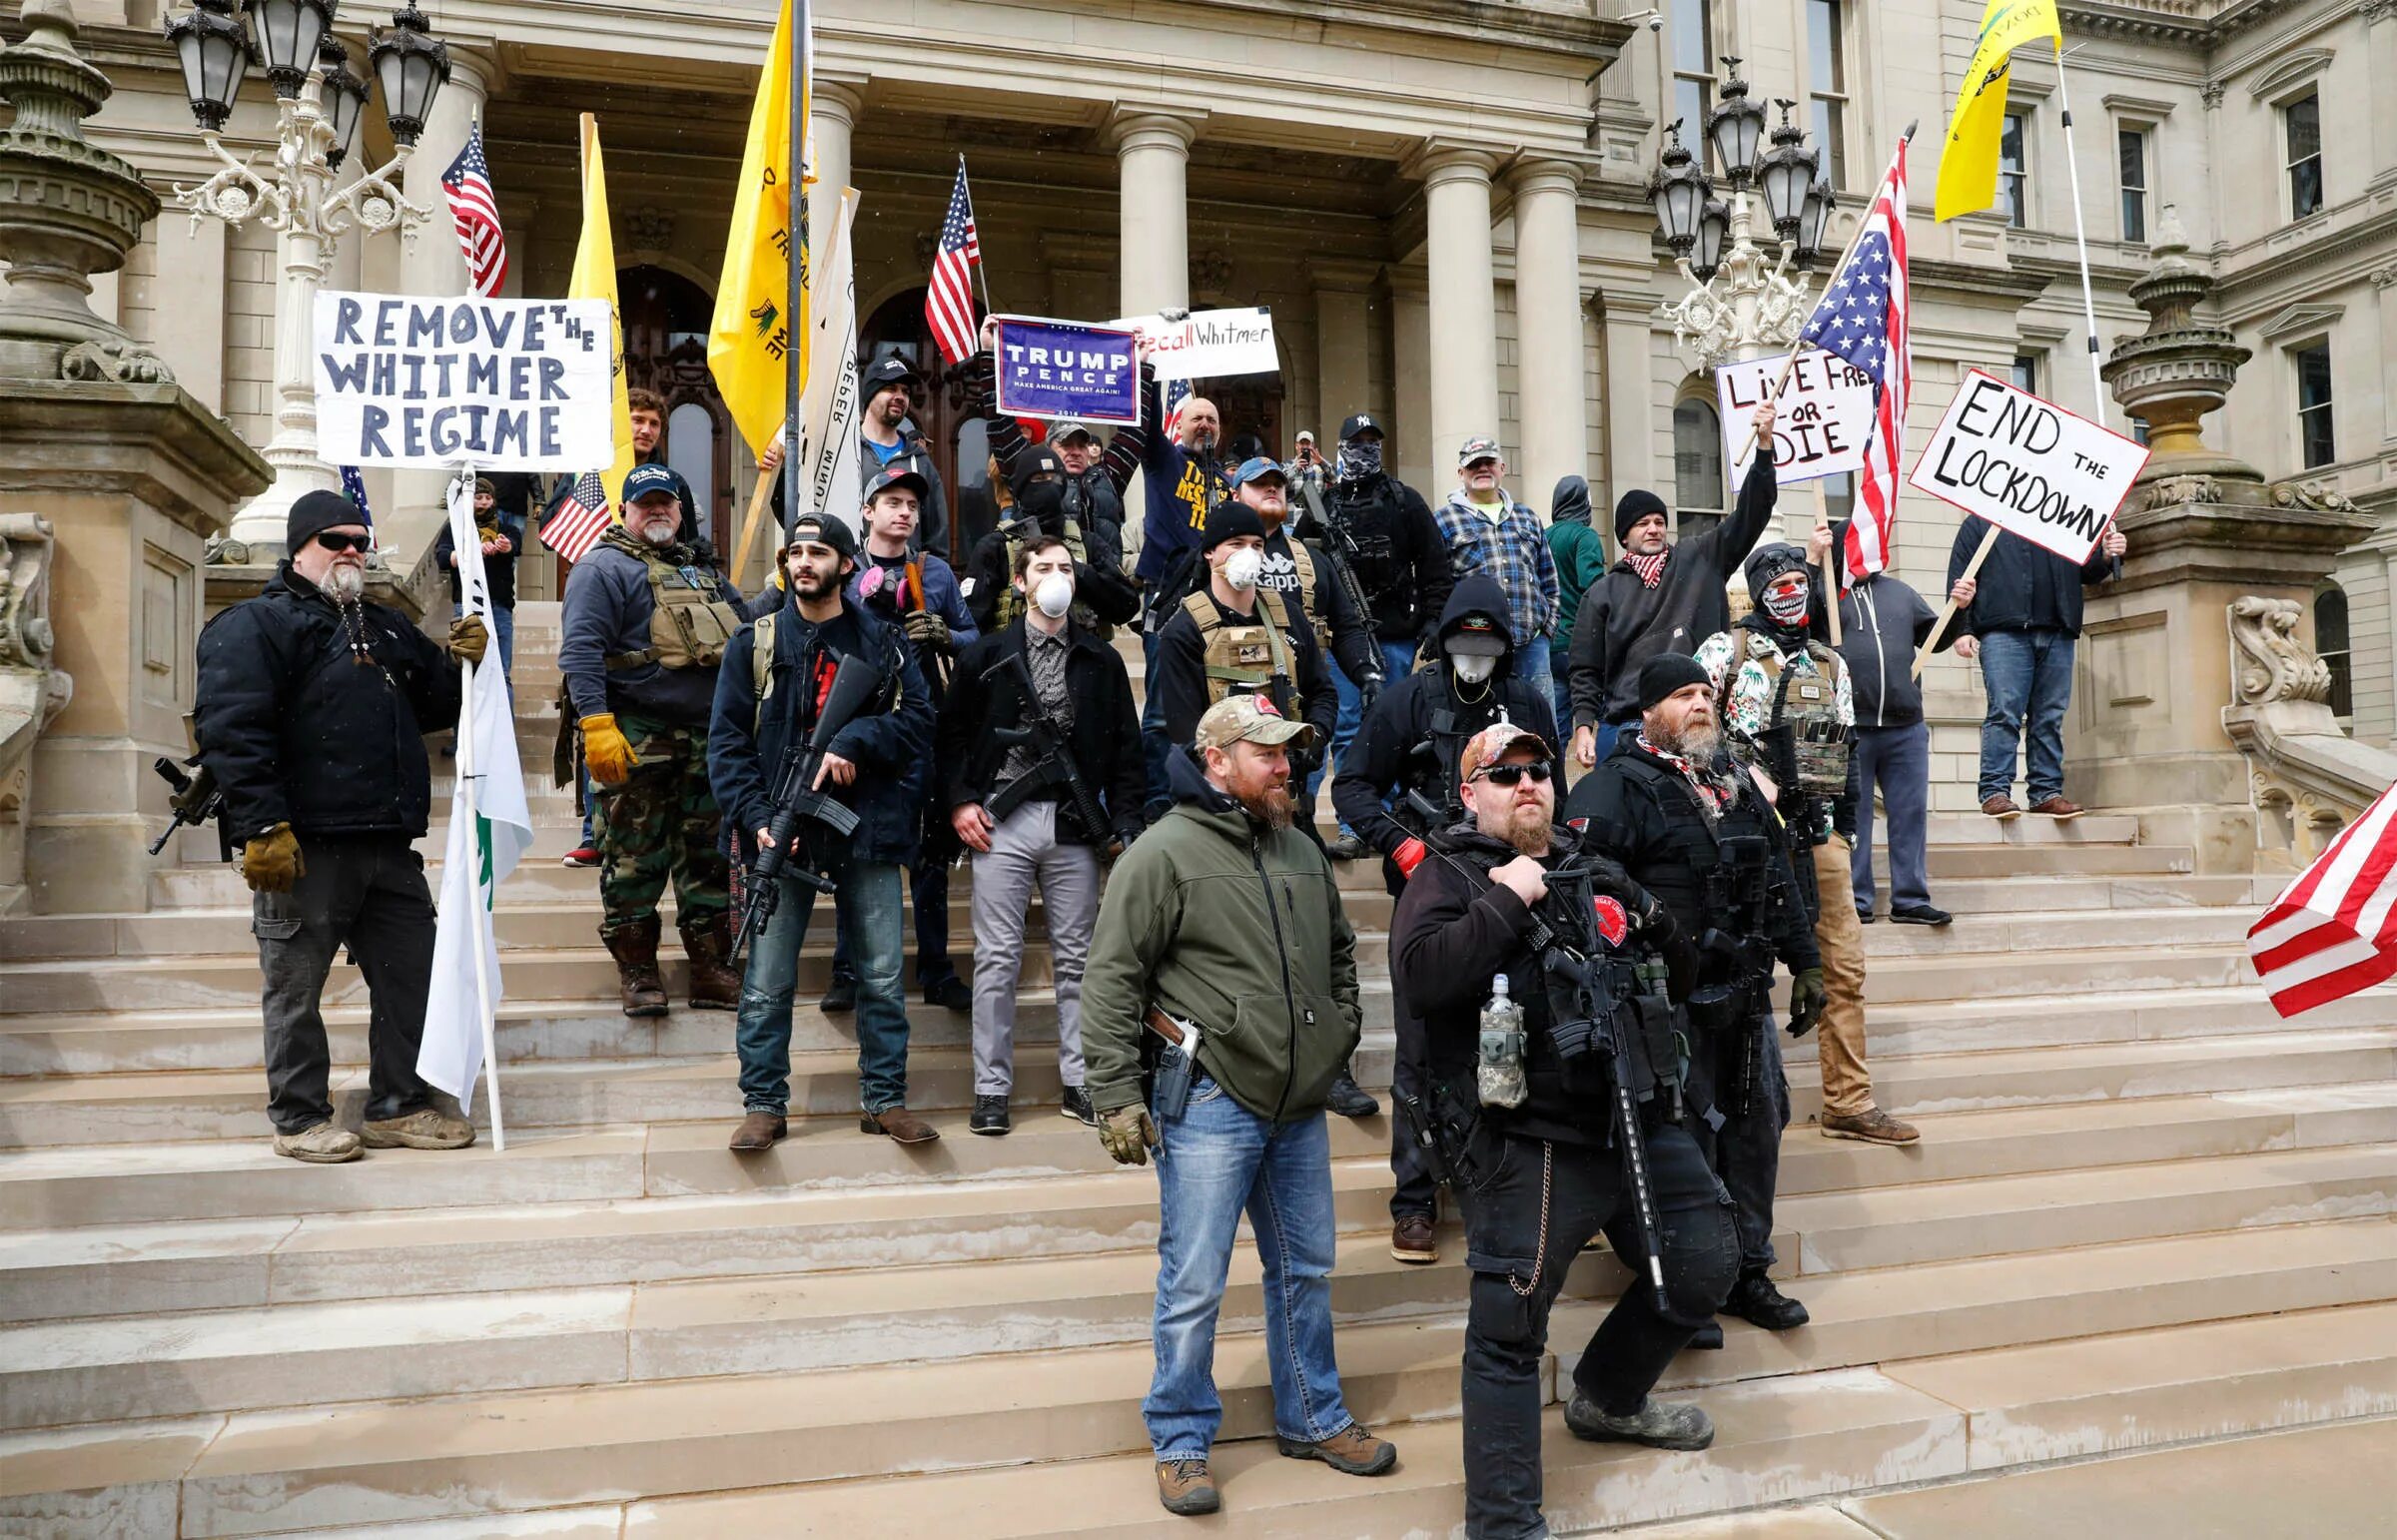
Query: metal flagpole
[2080,245]
[469,777]
[980,275]
[795,268]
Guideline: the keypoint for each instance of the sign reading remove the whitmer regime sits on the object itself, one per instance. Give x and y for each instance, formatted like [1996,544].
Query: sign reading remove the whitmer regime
[2027,466]
[505,385]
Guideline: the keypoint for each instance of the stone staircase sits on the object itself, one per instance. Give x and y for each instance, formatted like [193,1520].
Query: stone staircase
[2145,1212]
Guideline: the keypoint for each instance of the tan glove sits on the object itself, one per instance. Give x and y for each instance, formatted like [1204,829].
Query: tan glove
[270,863]
[1126,1133]
[605,751]
[468,640]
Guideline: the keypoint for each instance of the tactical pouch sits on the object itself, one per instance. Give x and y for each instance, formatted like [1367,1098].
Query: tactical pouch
[690,626]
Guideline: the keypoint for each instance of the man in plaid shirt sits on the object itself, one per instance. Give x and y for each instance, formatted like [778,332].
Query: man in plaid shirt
[1489,532]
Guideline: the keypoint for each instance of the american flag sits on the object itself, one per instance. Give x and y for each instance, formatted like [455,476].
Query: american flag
[2331,932]
[949,298]
[354,487]
[475,208]
[581,516]
[1863,318]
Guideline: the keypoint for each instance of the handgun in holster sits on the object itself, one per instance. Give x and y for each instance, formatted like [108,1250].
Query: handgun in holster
[1176,1063]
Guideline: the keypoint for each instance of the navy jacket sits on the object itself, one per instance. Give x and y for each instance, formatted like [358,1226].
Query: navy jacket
[606,611]
[2022,587]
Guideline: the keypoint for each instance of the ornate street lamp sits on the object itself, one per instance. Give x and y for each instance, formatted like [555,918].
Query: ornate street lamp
[1788,173]
[1814,222]
[1743,302]
[411,68]
[1735,128]
[288,32]
[1679,190]
[345,99]
[1714,233]
[215,53]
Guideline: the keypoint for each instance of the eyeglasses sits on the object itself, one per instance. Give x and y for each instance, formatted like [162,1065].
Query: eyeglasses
[338,543]
[1510,775]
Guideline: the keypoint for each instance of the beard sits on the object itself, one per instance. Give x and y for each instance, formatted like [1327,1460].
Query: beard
[346,581]
[815,585]
[1270,805]
[1696,742]
[659,531]
[1529,830]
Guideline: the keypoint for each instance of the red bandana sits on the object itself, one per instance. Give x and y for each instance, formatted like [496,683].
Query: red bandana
[1650,568]
[1712,790]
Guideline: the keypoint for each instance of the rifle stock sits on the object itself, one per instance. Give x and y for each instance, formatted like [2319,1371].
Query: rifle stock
[799,802]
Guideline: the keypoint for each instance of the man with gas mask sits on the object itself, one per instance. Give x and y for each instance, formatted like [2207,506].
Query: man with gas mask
[1410,745]
[1786,708]
[1692,827]
[1055,499]
[1539,982]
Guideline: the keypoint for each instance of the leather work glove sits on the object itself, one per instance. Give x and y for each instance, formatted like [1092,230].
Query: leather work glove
[1127,1135]
[927,629]
[468,640]
[605,751]
[1806,1001]
[272,862]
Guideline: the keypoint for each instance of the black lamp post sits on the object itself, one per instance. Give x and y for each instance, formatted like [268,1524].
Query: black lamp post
[214,49]
[411,68]
[1678,191]
[1788,172]
[1735,128]
[345,98]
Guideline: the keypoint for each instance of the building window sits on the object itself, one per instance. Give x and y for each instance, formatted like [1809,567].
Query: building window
[2025,372]
[2013,174]
[1696,465]
[1839,497]
[1694,74]
[2301,123]
[2315,444]
[1827,76]
[2331,645]
[2130,150]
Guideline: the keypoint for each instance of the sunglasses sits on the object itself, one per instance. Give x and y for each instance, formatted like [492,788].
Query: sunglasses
[1510,775]
[338,543]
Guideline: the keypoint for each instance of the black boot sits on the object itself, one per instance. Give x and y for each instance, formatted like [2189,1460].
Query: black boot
[1348,1098]
[1753,1299]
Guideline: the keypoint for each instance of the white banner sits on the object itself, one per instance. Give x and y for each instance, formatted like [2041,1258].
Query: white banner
[1208,343]
[1822,417]
[828,411]
[2028,466]
[501,385]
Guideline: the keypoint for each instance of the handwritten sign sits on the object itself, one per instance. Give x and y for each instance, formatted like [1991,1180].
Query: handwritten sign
[1209,343]
[1822,417]
[500,385]
[1067,369]
[2027,466]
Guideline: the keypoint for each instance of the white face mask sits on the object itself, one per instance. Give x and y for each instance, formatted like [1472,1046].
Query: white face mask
[1472,668]
[1242,567]
[1054,594]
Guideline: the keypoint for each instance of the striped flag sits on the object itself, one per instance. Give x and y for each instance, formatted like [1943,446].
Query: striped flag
[1864,318]
[949,298]
[580,518]
[2331,932]
[474,209]
[354,487]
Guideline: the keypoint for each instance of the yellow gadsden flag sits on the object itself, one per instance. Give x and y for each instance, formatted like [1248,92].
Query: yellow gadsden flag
[595,278]
[1969,161]
[750,340]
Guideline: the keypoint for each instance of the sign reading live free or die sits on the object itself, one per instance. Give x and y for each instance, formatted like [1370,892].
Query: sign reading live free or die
[1821,415]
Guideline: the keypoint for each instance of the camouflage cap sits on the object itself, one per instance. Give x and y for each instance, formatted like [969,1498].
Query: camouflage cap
[1252,718]
[1494,743]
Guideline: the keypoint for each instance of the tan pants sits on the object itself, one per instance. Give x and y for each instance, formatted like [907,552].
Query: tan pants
[1840,1036]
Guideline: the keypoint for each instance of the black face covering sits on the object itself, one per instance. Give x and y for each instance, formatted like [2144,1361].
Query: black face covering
[1044,500]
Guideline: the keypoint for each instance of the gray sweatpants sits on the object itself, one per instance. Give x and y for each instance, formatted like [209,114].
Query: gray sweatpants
[1025,850]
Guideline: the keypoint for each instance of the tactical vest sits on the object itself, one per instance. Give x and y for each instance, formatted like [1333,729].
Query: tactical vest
[1010,603]
[1806,706]
[1303,563]
[1370,522]
[1247,657]
[691,620]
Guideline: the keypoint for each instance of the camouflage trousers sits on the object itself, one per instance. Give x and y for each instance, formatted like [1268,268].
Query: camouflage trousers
[662,821]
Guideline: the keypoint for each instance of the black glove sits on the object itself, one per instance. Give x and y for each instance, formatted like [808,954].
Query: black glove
[1368,690]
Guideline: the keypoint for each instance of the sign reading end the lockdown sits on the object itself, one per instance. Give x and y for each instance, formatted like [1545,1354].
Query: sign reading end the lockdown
[1067,369]
[2028,466]
[501,385]
[1822,417]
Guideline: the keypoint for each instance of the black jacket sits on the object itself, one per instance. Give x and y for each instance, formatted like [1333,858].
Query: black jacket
[1401,562]
[1352,644]
[1099,582]
[1102,485]
[499,572]
[1180,679]
[300,731]
[2022,587]
[1623,622]
[1105,737]
[1883,624]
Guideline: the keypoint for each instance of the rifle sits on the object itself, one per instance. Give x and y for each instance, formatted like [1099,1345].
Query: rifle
[855,684]
[1340,549]
[1056,765]
[195,801]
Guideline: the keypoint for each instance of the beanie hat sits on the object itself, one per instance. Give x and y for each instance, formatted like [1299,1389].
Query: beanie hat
[1230,521]
[1770,560]
[1661,675]
[313,513]
[1633,507]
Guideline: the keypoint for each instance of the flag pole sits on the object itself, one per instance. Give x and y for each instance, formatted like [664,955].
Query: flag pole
[469,774]
[981,276]
[2080,245]
[795,271]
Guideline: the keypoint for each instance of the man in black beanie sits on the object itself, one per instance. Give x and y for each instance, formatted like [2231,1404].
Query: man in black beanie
[1658,597]
[311,709]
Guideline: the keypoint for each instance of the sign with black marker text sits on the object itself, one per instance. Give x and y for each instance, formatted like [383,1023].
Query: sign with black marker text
[1209,345]
[2028,466]
[1822,417]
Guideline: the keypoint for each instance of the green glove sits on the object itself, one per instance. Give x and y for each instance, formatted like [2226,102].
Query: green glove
[927,629]
[1126,1133]
[1806,1001]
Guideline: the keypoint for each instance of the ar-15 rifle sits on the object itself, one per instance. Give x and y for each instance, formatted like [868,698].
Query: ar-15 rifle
[1340,550]
[1738,889]
[1054,765]
[196,800]
[798,800]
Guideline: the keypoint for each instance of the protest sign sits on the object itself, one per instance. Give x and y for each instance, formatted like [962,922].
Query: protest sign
[501,385]
[2027,466]
[1067,369]
[1209,343]
[1823,416]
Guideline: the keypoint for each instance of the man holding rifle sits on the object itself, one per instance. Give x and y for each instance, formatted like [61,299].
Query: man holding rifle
[794,748]
[1039,743]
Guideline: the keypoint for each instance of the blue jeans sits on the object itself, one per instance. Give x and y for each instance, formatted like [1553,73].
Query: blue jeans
[1560,693]
[1397,661]
[1530,664]
[590,805]
[505,619]
[1155,746]
[869,900]
[2028,677]
[1898,760]
[1214,1161]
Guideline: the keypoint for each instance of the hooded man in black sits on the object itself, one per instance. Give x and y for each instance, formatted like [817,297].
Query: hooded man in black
[1040,485]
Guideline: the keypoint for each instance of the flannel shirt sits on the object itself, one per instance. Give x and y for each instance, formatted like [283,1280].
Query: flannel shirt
[1512,552]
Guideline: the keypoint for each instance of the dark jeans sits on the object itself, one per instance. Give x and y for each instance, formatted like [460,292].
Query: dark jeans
[868,903]
[1515,1278]
[1156,747]
[2029,679]
[1898,760]
[365,891]
[1416,1192]
[1743,1147]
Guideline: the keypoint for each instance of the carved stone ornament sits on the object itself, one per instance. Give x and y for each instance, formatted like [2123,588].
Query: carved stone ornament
[2319,495]
[2273,663]
[2173,489]
[650,228]
[1211,270]
[116,363]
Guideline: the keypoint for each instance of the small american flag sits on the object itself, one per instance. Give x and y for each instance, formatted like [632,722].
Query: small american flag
[581,516]
[354,487]
[2332,931]
[1863,318]
[475,208]
[949,298]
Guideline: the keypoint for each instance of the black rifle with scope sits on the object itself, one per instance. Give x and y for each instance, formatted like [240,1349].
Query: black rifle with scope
[196,799]
[1053,766]
[801,807]
[1340,550]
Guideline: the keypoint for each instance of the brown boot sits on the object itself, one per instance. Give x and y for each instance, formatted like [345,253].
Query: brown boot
[900,1125]
[1352,1451]
[758,1130]
[634,947]
[714,987]
[1186,1487]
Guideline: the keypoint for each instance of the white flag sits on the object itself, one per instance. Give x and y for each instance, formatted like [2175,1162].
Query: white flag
[490,831]
[828,410]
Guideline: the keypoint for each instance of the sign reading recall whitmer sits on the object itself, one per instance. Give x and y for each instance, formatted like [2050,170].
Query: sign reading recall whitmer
[2028,466]
[1067,369]
[1209,343]
[1822,417]
[500,385]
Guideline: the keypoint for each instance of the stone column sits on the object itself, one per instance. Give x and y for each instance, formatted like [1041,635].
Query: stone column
[833,111]
[1409,453]
[1343,341]
[1152,156]
[2384,298]
[1548,330]
[1629,388]
[2380,42]
[1464,332]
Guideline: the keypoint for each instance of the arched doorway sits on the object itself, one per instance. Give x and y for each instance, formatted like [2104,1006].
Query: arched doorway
[942,413]
[666,319]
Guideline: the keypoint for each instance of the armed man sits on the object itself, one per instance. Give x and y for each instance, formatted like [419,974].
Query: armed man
[311,713]
[1692,827]
[1039,750]
[1538,980]
[645,621]
[1058,497]
[839,769]
[1788,710]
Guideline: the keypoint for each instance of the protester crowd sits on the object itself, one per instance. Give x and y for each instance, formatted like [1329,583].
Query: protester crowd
[1589,1035]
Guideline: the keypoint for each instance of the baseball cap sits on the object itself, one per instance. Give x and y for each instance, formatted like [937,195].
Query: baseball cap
[898,475]
[1253,718]
[1479,446]
[1355,424]
[823,530]
[1494,743]
[886,373]
[1066,428]
[1256,468]
[641,481]
[1478,636]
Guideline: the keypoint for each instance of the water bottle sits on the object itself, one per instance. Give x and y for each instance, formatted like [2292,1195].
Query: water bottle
[1498,1077]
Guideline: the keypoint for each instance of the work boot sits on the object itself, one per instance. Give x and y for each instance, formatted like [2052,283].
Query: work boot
[1412,1239]
[1076,1106]
[1349,1099]
[714,985]
[1755,1300]
[902,1126]
[760,1130]
[1708,1338]
[841,998]
[426,1127]
[949,994]
[1351,1451]
[1872,1126]
[1658,1424]
[634,947]
[1347,848]
[989,1117]
[328,1144]
[2001,806]
[1186,1487]
[2062,809]
[1920,914]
